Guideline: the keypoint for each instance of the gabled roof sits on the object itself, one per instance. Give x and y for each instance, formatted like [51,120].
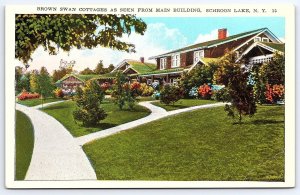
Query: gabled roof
[137,66]
[273,47]
[215,42]
[80,77]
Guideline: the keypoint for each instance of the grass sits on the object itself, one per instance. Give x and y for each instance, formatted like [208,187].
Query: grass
[38,101]
[63,112]
[24,144]
[183,103]
[203,145]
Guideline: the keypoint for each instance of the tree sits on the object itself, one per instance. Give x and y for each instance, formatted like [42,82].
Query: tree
[40,82]
[67,31]
[61,72]
[110,68]
[118,90]
[236,79]
[99,68]
[21,80]
[88,101]
[87,71]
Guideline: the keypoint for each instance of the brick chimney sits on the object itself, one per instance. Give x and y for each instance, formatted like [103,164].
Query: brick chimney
[142,59]
[222,33]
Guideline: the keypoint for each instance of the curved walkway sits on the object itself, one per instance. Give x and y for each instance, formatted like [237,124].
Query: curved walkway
[156,113]
[56,154]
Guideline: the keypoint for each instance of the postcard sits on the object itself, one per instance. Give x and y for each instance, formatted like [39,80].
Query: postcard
[140,96]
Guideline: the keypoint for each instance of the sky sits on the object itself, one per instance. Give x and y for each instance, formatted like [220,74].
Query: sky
[163,34]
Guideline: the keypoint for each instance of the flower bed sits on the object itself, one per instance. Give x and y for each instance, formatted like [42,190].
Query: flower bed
[26,95]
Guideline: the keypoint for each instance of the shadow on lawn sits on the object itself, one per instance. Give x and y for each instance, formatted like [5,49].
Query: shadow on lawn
[55,107]
[258,122]
[101,126]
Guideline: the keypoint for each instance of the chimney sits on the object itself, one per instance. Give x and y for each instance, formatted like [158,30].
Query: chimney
[142,59]
[222,33]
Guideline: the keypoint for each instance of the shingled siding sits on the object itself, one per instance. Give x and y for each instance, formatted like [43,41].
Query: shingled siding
[183,57]
[169,63]
[219,51]
[157,63]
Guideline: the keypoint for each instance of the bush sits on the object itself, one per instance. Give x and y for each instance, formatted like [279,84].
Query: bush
[205,92]
[193,93]
[88,101]
[156,95]
[274,93]
[105,86]
[145,90]
[222,95]
[58,93]
[170,94]
[26,95]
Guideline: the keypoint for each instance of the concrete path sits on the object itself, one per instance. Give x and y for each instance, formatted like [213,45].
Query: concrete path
[156,113]
[56,154]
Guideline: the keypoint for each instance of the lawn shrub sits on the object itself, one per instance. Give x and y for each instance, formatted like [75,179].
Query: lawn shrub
[171,94]
[205,92]
[26,95]
[193,93]
[58,93]
[145,90]
[274,93]
[88,101]
[222,95]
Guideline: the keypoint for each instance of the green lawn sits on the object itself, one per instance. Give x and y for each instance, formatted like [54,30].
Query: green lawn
[24,144]
[183,103]
[63,112]
[38,101]
[202,145]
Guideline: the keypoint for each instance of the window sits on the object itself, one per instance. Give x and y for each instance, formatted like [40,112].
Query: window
[198,55]
[265,39]
[257,39]
[176,60]
[163,63]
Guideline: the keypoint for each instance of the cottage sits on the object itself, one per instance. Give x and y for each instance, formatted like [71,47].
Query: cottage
[257,46]
[70,82]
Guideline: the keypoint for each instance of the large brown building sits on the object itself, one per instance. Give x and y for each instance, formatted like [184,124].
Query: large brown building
[257,46]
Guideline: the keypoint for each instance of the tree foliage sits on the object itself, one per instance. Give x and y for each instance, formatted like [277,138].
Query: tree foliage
[40,82]
[61,72]
[170,94]
[88,101]
[200,75]
[87,71]
[236,79]
[67,31]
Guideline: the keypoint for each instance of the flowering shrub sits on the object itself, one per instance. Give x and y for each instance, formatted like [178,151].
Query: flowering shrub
[171,94]
[26,95]
[135,86]
[105,86]
[58,93]
[145,90]
[274,93]
[156,95]
[193,92]
[221,95]
[205,91]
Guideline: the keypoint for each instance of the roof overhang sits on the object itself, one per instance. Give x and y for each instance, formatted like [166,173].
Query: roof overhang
[259,44]
[214,45]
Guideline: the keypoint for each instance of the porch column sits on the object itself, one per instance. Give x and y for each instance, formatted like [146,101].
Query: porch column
[167,78]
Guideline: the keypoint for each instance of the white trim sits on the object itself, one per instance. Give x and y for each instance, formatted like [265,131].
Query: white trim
[252,38]
[265,39]
[254,45]
[257,39]
[164,60]
[200,55]
[195,64]
[176,60]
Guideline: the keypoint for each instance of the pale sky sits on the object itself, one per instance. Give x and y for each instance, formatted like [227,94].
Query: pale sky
[162,35]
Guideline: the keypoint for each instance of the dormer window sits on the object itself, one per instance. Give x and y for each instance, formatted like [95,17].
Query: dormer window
[197,55]
[264,39]
[175,60]
[163,63]
[256,39]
